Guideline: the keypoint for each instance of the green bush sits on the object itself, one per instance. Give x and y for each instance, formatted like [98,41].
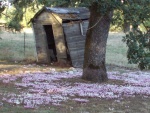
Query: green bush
[138,48]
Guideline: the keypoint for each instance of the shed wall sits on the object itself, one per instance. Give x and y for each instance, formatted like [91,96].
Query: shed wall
[76,41]
[40,37]
[41,43]
[59,41]
[59,37]
[43,53]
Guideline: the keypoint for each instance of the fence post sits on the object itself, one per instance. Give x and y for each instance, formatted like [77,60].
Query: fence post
[24,43]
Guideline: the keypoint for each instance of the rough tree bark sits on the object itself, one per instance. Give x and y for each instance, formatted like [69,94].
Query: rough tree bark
[94,68]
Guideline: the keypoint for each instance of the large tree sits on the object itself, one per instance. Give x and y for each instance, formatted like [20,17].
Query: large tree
[136,12]
[94,68]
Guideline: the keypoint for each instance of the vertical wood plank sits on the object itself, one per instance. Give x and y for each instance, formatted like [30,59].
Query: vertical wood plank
[75,37]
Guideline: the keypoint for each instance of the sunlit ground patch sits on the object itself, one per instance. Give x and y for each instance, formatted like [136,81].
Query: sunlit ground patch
[53,88]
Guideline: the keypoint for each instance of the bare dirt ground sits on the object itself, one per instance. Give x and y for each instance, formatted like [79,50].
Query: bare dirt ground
[67,90]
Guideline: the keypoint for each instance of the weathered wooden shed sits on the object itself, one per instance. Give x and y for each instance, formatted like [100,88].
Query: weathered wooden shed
[60,34]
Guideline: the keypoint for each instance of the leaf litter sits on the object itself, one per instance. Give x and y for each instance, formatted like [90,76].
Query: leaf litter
[45,88]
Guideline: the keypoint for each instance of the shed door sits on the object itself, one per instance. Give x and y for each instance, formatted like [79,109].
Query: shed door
[75,37]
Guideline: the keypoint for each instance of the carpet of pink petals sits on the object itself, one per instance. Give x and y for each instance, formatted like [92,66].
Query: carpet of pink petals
[45,88]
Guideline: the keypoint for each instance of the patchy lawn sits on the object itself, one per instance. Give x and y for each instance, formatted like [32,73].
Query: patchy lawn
[13,48]
[45,89]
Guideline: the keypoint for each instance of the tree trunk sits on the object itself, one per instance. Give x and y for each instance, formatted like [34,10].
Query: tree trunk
[94,68]
[126,27]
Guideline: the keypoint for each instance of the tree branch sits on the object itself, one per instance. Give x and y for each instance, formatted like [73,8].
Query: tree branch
[5,15]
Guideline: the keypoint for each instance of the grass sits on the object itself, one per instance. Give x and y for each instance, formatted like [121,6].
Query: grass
[7,108]
[116,51]
[12,48]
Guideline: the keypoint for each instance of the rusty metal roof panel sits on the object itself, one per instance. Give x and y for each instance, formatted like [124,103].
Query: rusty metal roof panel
[63,10]
[73,16]
[66,13]
[70,13]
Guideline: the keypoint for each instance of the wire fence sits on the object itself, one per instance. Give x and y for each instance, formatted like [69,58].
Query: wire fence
[17,46]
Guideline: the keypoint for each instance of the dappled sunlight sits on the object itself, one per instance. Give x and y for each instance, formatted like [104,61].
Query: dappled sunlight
[5,68]
[27,30]
[18,68]
[61,47]
[53,87]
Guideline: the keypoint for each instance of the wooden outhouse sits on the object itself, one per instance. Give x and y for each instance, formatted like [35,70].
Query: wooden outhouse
[60,34]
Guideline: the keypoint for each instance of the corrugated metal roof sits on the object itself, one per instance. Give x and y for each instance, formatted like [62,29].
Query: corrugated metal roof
[64,10]
[66,13]
[74,16]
